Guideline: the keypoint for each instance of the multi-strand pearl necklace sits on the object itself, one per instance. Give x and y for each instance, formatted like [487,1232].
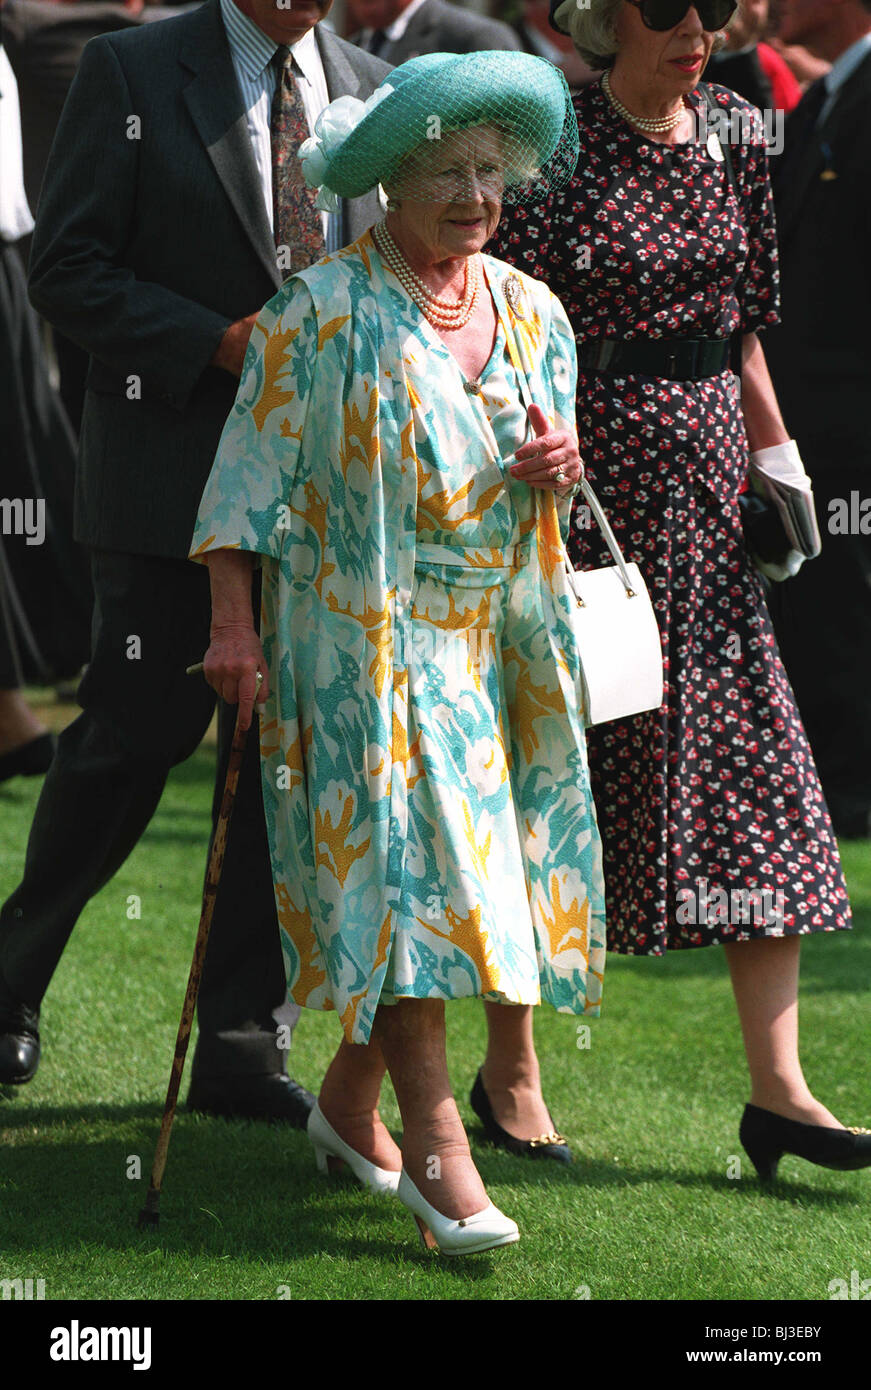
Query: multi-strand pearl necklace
[442,313]
[654,125]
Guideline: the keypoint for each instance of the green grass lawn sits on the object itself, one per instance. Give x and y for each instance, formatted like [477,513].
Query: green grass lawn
[648,1210]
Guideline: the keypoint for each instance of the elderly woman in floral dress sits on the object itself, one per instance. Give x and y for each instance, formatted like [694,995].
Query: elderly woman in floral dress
[401,457]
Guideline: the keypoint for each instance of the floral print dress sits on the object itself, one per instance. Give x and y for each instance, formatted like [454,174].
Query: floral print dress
[502,892]
[712,817]
[425,782]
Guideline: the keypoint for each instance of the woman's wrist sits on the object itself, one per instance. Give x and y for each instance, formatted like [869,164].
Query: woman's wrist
[230,575]
[237,626]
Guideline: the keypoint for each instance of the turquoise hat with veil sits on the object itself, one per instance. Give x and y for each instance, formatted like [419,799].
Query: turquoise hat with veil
[357,145]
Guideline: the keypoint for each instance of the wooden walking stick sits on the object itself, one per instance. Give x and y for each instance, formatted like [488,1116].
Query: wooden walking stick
[150,1213]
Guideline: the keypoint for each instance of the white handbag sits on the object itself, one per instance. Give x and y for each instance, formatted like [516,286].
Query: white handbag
[616,633]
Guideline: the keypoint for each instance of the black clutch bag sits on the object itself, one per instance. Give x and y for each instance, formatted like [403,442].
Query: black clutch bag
[764,531]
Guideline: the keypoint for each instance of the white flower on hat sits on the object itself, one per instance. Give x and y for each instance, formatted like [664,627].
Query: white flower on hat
[332,128]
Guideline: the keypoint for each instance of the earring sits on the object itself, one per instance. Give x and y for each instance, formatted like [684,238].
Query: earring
[392,205]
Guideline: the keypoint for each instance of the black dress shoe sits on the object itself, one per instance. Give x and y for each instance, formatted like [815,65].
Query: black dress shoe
[767,1137]
[31,759]
[19,1039]
[550,1145]
[272,1096]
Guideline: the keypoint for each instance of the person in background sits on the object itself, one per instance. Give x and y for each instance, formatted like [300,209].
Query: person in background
[805,66]
[400,29]
[538,36]
[669,276]
[820,359]
[172,208]
[751,67]
[45,40]
[44,585]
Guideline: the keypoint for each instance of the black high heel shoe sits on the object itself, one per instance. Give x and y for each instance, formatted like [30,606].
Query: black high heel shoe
[550,1145]
[767,1137]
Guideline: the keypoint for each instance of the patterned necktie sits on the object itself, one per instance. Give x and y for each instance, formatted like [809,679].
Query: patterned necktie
[296,222]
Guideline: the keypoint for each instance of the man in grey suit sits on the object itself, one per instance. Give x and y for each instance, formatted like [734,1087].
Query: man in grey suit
[400,29]
[154,249]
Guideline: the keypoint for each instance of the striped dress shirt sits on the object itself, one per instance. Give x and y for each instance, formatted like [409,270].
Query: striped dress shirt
[252,53]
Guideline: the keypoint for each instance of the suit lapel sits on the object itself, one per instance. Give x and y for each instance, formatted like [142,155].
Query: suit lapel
[790,205]
[794,190]
[215,105]
[358,214]
[420,26]
[342,80]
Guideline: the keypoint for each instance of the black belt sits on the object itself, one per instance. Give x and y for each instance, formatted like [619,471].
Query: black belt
[679,359]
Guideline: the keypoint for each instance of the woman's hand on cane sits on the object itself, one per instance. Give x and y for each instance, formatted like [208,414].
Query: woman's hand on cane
[231,666]
[551,459]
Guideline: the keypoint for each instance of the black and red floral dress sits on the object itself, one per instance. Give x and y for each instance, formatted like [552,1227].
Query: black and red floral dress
[712,817]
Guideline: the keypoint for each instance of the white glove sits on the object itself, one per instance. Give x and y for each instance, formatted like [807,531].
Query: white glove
[777,573]
[778,474]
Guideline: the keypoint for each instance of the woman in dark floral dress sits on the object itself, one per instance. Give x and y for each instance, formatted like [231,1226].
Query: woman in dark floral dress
[713,822]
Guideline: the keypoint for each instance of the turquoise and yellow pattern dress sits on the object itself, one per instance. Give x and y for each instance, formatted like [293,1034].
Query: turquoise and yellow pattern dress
[424,765]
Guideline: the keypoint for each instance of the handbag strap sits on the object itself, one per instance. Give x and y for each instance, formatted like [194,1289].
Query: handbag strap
[590,496]
[713,109]
[610,539]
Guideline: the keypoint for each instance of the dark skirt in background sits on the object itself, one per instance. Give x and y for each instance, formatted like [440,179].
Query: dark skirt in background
[45,589]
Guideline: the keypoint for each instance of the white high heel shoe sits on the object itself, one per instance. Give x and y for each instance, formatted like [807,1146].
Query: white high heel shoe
[483,1230]
[330,1151]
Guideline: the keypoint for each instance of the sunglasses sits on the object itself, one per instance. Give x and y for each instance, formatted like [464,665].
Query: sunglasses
[665,14]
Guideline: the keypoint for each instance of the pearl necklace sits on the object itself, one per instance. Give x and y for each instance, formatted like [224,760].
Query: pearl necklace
[654,125]
[442,313]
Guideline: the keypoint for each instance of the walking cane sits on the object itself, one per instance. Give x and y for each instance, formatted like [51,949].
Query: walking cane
[150,1213]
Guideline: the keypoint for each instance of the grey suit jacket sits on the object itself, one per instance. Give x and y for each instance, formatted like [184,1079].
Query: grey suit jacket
[151,238]
[438,27]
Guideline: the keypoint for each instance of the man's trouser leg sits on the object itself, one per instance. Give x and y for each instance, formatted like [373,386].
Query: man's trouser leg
[244,1018]
[822,619]
[140,716]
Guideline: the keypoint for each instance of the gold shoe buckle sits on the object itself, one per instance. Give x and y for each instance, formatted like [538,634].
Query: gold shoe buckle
[544,1139]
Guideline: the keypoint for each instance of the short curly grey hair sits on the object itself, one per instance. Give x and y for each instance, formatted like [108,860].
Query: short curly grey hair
[592,25]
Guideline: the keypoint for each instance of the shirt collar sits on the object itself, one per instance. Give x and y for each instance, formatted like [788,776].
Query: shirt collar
[306,56]
[396,30]
[846,63]
[253,50]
